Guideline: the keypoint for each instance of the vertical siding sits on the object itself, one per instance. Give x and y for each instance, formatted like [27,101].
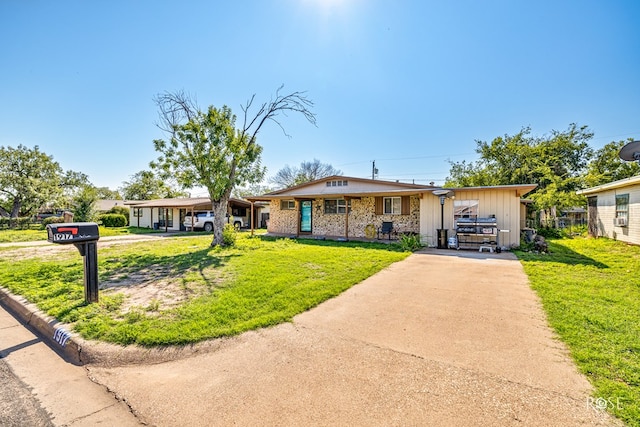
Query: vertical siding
[504,204]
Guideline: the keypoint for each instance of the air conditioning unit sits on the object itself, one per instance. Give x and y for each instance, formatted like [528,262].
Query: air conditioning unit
[620,222]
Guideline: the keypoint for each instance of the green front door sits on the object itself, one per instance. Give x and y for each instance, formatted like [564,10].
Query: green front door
[305,216]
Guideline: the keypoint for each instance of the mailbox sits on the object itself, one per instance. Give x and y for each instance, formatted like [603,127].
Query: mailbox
[72,232]
[84,235]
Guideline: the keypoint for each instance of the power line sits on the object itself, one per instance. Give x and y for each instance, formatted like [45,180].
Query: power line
[407,158]
[617,136]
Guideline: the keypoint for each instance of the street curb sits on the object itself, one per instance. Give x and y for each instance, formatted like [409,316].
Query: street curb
[47,328]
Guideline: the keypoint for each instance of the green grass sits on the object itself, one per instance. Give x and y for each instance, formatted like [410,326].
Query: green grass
[13,236]
[259,282]
[591,292]
[32,235]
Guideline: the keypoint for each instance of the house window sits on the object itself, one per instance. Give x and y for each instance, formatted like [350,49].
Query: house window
[339,183]
[336,206]
[465,209]
[393,205]
[622,206]
[137,212]
[161,217]
[287,205]
[239,211]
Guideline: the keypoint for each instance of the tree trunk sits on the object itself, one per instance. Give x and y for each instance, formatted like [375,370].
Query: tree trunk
[15,210]
[554,216]
[219,208]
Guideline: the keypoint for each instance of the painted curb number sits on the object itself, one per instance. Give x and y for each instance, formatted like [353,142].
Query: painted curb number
[61,336]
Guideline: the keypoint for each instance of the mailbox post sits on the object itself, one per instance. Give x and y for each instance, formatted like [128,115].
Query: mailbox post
[84,236]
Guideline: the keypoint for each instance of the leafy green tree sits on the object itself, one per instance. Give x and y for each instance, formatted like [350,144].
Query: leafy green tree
[84,204]
[556,163]
[146,185]
[606,165]
[105,193]
[308,171]
[205,148]
[30,179]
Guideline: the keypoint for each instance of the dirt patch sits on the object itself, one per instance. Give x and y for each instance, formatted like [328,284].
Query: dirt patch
[154,289]
[44,252]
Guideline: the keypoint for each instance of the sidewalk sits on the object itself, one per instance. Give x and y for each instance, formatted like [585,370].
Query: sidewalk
[63,390]
[443,338]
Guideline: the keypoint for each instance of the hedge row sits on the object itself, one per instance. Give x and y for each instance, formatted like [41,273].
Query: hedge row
[113,220]
[21,223]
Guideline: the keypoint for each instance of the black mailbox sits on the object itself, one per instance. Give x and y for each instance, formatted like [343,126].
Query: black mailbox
[72,232]
[84,235]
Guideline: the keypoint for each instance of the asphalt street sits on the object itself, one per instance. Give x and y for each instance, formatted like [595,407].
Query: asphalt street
[18,406]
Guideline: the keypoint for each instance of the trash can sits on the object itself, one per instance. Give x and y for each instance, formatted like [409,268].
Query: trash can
[442,238]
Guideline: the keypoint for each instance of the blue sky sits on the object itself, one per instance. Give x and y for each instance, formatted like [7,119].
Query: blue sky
[409,84]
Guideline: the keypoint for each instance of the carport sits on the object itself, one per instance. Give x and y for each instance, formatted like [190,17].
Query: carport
[160,213]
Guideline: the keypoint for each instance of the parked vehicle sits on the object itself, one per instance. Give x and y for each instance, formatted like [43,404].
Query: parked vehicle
[203,220]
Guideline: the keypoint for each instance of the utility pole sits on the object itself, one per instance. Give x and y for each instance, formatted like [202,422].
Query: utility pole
[374,171]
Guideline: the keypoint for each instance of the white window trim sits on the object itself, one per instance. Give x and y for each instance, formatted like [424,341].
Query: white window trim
[393,211]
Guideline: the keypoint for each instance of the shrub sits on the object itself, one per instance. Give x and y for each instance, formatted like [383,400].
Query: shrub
[122,210]
[113,220]
[229,235]
[52,220]
[410,242]
[550,232]
[21,223]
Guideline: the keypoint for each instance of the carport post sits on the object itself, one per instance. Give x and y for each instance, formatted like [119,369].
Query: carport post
[442,199]
[252,218]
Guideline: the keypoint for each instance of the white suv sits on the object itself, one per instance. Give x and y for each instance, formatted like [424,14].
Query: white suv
[204,220]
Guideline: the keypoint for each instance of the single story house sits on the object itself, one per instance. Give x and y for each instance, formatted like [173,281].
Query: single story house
[169,214]
[103,205]
[614,210]
[348,207]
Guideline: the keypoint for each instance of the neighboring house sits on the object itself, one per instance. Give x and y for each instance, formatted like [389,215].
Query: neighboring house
[102,206]
[614,210]
[572,216]
[347,207]
[169,214]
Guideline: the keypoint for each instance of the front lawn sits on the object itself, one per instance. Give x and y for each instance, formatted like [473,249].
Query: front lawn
[32,235]
[180,290]
[591,292]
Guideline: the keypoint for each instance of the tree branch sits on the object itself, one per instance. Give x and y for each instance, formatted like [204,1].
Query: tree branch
[295,101]
[174,109]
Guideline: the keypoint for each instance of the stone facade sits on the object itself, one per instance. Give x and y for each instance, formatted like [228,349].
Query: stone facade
[362,214]
[282,221]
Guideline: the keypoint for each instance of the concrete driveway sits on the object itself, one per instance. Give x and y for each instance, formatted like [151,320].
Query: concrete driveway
[442,338]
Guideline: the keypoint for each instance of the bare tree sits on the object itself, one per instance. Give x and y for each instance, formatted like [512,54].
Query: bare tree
[308,171]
